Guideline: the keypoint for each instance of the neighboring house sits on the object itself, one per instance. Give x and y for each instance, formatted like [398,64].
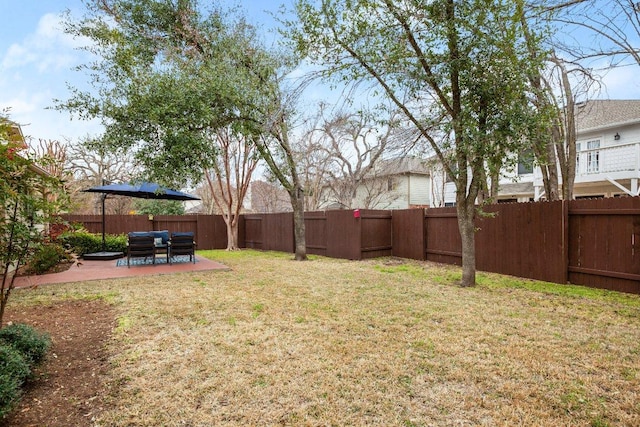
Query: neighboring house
[608,150]
[399,183]
[15,132]
[607,161]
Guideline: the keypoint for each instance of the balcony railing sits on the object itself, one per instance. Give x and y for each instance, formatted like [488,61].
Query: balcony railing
[599,163]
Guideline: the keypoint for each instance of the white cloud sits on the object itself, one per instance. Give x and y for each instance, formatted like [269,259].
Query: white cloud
[34,71]
[48,48]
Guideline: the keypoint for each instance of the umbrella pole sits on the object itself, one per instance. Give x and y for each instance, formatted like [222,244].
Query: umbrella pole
[104,244]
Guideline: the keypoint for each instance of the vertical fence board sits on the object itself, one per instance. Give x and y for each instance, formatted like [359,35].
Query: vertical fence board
[443,243]
[522,239]
[253,231]
[604,243]
[211,232]
[408,233]
[376,228]
[277,232]
[316,233]
[343,235]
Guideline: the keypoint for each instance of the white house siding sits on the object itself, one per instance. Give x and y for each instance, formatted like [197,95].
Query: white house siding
[449,194]
[407,190]
[419,190]
[399,196]
[373,194]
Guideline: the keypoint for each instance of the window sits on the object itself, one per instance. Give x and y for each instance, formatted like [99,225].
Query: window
[593,156]
[525,162]
[588,154]
[391,184]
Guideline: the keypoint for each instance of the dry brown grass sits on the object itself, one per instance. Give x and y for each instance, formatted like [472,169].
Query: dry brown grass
[331,342]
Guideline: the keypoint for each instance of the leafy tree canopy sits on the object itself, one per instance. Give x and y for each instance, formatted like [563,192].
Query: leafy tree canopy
[159,207]
[166,78]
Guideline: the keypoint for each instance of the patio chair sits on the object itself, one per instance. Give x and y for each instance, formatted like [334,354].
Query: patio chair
[140,245]
[182,244]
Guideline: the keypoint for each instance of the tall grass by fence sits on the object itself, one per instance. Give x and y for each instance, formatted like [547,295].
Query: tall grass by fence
[588,242]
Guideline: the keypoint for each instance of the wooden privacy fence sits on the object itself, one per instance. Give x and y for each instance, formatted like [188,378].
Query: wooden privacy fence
[336,234]
[210,230]
[587,242]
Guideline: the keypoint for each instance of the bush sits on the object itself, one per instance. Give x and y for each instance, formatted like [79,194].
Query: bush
[14,370]
[33,345]
[82,242]
[13,363]
[9,394]
[45,257]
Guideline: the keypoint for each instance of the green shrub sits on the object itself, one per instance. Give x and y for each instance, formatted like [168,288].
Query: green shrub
[115,243]
[14,370]
[9,394]
[46,256]
[13,363]
[82,242]
[31,344]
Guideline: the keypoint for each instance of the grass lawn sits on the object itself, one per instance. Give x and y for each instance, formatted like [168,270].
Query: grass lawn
[383,342]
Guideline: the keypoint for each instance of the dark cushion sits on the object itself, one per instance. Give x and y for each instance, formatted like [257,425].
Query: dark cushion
[182,234]
[140,234]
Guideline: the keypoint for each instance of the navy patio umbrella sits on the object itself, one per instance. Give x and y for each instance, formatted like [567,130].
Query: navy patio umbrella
[142,190]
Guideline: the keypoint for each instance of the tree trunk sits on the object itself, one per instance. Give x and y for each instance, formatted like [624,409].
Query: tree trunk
[8,279]
[232,233]
[568,160]
[552,192]
[466,225]
[231,222]
[297,202]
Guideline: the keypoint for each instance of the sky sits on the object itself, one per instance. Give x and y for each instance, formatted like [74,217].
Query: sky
[37,60]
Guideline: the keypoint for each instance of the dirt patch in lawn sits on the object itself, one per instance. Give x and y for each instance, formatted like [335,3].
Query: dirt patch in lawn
[69,388]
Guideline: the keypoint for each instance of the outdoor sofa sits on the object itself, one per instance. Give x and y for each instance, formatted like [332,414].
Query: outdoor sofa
[149,244]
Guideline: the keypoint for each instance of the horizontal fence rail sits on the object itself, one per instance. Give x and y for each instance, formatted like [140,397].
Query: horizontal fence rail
[594,243]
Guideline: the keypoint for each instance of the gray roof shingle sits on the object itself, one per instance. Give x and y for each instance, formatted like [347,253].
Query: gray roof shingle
[606,113]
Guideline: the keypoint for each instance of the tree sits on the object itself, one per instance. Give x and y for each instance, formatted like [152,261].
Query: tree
[610,27]
[93,164]
[276,149]
[230,178]
[29,198]
[354,144]
[313,161]
[55,153]
[456,70]
[155,101]
[169,77]
[612,31]
[158,207]
[556,91]
[267,197]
